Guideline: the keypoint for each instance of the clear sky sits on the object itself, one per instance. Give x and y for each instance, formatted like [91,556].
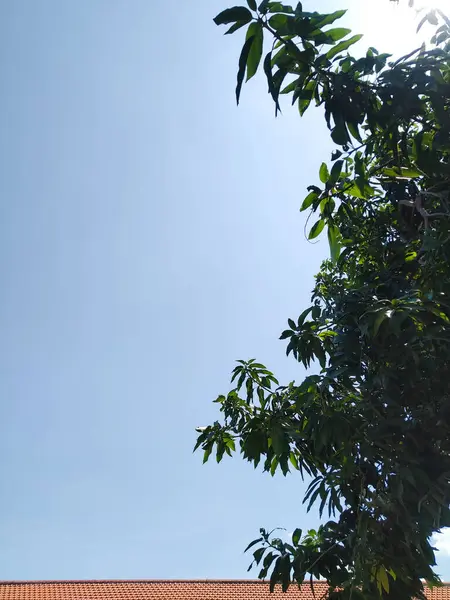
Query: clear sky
[150,235]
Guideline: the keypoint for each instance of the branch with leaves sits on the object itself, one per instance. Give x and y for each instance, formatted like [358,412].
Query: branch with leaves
[371,429]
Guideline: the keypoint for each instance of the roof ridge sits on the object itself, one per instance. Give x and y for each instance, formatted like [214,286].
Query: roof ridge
[62,581]
[20,582]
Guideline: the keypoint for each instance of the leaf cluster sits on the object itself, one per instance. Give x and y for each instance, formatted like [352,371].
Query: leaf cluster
[371,429]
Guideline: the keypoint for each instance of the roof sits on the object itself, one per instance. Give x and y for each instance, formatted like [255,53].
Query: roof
[166,589]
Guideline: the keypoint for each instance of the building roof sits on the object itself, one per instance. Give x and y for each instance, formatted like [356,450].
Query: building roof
[166,589]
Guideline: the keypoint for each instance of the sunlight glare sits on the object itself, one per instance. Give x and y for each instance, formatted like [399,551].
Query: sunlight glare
[442,5]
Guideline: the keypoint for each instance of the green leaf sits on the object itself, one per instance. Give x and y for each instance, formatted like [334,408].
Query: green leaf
[231,15]
[355,190]
[382,578]
[242,66]
[287,333]
[309,200]
[278,22]
[303,316]
[327,206]
[378,322]
[343,46]
[273,465]
[316,229]
[279,7]
[305,96]
[292,324]
[254,31]
[258,554]
[337,33]
[253,544]
[229,442]
[268,71]
[330,18]
[323,173]
[296,536]
[334,242]
[353,128]
[241,380]
[207,453]
[251,4]
[402,172]
[324,496]
[278,438]
[336,154]
[290,87]
[339,135]
[312,499]
[285,572]
[235,27]
[261,396]
[293,460]
[336,171]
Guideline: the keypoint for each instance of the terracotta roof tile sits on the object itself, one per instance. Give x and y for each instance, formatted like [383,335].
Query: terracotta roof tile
[166,590]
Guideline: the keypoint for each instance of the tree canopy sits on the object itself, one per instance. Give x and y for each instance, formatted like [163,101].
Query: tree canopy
[370,426]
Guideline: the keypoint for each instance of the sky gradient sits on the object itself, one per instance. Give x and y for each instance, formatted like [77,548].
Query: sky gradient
[150,236]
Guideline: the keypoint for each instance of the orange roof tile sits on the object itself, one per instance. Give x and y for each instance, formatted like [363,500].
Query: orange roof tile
[167,590]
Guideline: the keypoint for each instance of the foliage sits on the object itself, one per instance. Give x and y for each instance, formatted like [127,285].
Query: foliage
[371,427]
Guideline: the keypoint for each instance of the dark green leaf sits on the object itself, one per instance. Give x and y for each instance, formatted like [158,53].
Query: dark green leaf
[268,72]
[303,316]
[353,128]
[254,31]
[339,135]
[312,499]
[258,554]
[336,170]
[253,544]
[231,15]
[287,333]
[241,380]
[236,26]
[251,4]
[207,453]
[242,66]
[292,324]
[305,96]
[296,536]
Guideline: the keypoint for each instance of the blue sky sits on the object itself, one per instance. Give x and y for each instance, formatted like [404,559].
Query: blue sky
[150,235]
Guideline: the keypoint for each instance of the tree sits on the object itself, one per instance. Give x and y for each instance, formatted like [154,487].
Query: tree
[370,426]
